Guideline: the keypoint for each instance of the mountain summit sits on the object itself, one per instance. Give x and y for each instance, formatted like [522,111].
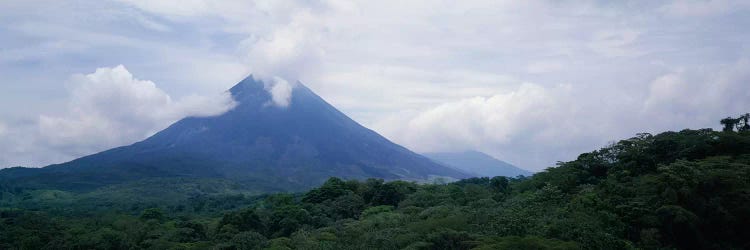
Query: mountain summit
[266,146]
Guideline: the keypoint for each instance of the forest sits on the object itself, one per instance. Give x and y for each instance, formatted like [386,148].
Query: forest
[674,190]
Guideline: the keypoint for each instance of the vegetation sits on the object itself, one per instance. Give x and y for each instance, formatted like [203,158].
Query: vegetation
[740,123]
[674,190]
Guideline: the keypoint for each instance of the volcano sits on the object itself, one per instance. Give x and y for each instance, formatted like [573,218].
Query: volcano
[264,146]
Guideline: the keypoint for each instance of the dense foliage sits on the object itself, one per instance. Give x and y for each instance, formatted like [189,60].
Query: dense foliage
[675,190]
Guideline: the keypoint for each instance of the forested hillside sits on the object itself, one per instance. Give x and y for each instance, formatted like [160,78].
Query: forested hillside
[675,190]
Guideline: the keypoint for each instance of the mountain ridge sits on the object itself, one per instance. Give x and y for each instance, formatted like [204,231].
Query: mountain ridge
[477,163]
[278,148]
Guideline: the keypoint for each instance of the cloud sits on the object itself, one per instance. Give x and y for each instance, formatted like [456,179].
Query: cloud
[699,95]
[542,67]
[518,126]
[110,108]
[395,88]
[287,52]
[465,123]
[281,92]
[702,8]
[283,39]
[173,8]
[614,43]
[534,126]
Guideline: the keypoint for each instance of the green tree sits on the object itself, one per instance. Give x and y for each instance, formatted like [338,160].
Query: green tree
[500,184]
[152,214]
[243,220]
[249,241]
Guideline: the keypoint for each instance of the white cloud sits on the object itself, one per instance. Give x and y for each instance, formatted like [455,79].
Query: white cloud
[284,39]
[613,43]
[544,67]
[474,121]
[517,126]
[668,89]
[702,7]
[534,126]
[111,107]
[699,95]
[280,90]
[287,52]
[394,88]
[173,8]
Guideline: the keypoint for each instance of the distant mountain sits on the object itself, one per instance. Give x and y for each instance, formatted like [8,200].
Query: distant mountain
[477,164]
[261,146]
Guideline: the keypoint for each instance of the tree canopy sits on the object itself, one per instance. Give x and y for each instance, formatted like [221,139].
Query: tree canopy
[674,190]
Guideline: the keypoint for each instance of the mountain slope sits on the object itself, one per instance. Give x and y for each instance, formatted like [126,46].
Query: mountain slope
[477,164]
[268,147]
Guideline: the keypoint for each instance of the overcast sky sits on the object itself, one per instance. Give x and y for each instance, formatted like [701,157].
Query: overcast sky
[529,82]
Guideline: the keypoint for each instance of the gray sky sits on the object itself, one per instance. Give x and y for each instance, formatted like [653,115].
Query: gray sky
[529,82]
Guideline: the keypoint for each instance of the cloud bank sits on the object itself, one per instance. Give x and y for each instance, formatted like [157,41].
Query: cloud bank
[532,124]
[110,108]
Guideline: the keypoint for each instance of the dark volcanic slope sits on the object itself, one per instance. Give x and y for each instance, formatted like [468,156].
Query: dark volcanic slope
[261,145]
